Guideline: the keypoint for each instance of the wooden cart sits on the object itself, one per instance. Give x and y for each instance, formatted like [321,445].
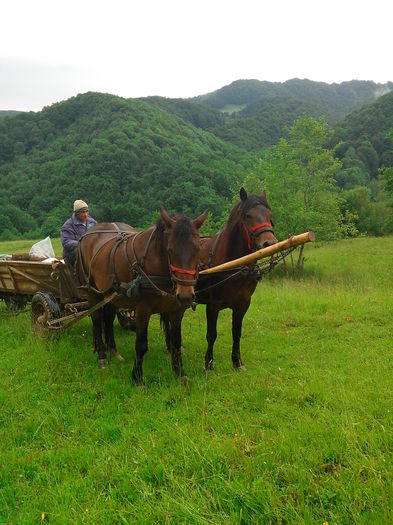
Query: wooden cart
[56,300]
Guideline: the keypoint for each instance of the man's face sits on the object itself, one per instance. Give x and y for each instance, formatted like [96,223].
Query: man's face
[82,215]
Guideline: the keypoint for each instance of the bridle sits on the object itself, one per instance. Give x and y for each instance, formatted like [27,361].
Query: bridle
[182,271]
[253,232]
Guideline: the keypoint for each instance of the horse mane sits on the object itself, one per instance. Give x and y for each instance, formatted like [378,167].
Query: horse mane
[242,207]
[181,232]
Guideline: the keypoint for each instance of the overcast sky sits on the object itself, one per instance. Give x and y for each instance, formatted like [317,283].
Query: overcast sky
[51,50]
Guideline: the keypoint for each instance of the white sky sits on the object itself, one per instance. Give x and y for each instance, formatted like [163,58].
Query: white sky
[51,50]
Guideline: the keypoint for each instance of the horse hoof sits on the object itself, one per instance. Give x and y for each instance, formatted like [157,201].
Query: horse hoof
[118,356]
[103,363]
[240,368]
[184,380]
[182,350]
[137,380]
[209,366]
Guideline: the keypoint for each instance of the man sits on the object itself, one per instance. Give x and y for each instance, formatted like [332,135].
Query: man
[73,229]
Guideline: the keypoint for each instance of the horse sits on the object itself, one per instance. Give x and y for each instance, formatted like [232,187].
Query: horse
[248,228]
[153,271]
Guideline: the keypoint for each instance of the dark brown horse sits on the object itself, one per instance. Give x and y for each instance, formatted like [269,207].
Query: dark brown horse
[154,271]
[248,228]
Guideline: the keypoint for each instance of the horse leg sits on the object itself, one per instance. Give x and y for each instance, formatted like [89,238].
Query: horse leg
[237,320]
[109,317]
[164,323]
[175,346]
[99,346]
[142,323]
[211,334]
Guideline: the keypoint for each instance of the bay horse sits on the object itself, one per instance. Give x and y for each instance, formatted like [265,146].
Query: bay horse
[153,271]
[248,228]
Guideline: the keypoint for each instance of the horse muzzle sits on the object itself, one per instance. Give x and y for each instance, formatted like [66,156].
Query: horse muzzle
[266,244]
[186,298]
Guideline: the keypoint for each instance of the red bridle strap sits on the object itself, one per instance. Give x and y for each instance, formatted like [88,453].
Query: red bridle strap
[253,229]
[262,225]
[182,270]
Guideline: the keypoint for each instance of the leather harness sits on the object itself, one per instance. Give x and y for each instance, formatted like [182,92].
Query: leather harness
[135,266]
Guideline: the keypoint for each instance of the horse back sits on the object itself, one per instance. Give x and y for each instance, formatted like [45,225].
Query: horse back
[95,247]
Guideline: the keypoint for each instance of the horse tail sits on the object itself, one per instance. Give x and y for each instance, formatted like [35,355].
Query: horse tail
[165,327]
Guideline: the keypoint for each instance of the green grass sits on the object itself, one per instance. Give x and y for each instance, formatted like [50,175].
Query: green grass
[23,246]
[305,435]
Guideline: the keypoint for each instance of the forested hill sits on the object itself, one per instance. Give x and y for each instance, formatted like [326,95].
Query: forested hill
[10,113]
[196,114]
[267,126]
[366,137]
[336,100]
[125,157]
[253,114]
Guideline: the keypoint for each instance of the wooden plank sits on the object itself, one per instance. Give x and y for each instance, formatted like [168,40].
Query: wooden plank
[3,282]
[12,279]
[42,284]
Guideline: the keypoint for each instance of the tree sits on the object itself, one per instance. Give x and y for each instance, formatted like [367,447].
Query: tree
[298,175]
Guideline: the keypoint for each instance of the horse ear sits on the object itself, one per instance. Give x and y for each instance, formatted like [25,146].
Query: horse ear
[201,219]
[168,221]
[243,194]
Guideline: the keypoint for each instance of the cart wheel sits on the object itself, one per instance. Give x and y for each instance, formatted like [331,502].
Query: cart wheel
[127,320]
[15,304]
[44,308]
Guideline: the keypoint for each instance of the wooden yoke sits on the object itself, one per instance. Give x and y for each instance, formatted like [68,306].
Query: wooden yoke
[295,240]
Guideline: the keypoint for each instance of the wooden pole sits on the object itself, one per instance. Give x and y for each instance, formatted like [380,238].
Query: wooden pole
[295,240]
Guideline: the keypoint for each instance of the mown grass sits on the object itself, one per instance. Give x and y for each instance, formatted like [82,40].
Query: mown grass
[305,435]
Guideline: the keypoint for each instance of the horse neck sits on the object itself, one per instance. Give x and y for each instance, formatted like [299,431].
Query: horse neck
[231,245]
[156,260]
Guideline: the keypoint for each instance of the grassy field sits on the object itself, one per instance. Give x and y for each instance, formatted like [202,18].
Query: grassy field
[305,435]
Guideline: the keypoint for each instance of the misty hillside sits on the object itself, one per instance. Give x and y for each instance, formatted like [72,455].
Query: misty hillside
[337,100]
[8,113]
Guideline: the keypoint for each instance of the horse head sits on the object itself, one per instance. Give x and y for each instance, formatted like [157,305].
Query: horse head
[183,253]
[256,220]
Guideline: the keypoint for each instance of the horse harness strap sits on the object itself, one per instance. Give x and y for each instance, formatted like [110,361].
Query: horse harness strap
[119,237]
[212,252]
[134,266]
[137,267]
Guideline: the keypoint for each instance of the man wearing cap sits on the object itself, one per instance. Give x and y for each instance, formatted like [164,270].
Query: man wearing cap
[73,229]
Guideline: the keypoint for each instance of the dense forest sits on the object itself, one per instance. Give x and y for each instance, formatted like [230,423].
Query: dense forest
[5,113]
[335,100]
[127,157]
